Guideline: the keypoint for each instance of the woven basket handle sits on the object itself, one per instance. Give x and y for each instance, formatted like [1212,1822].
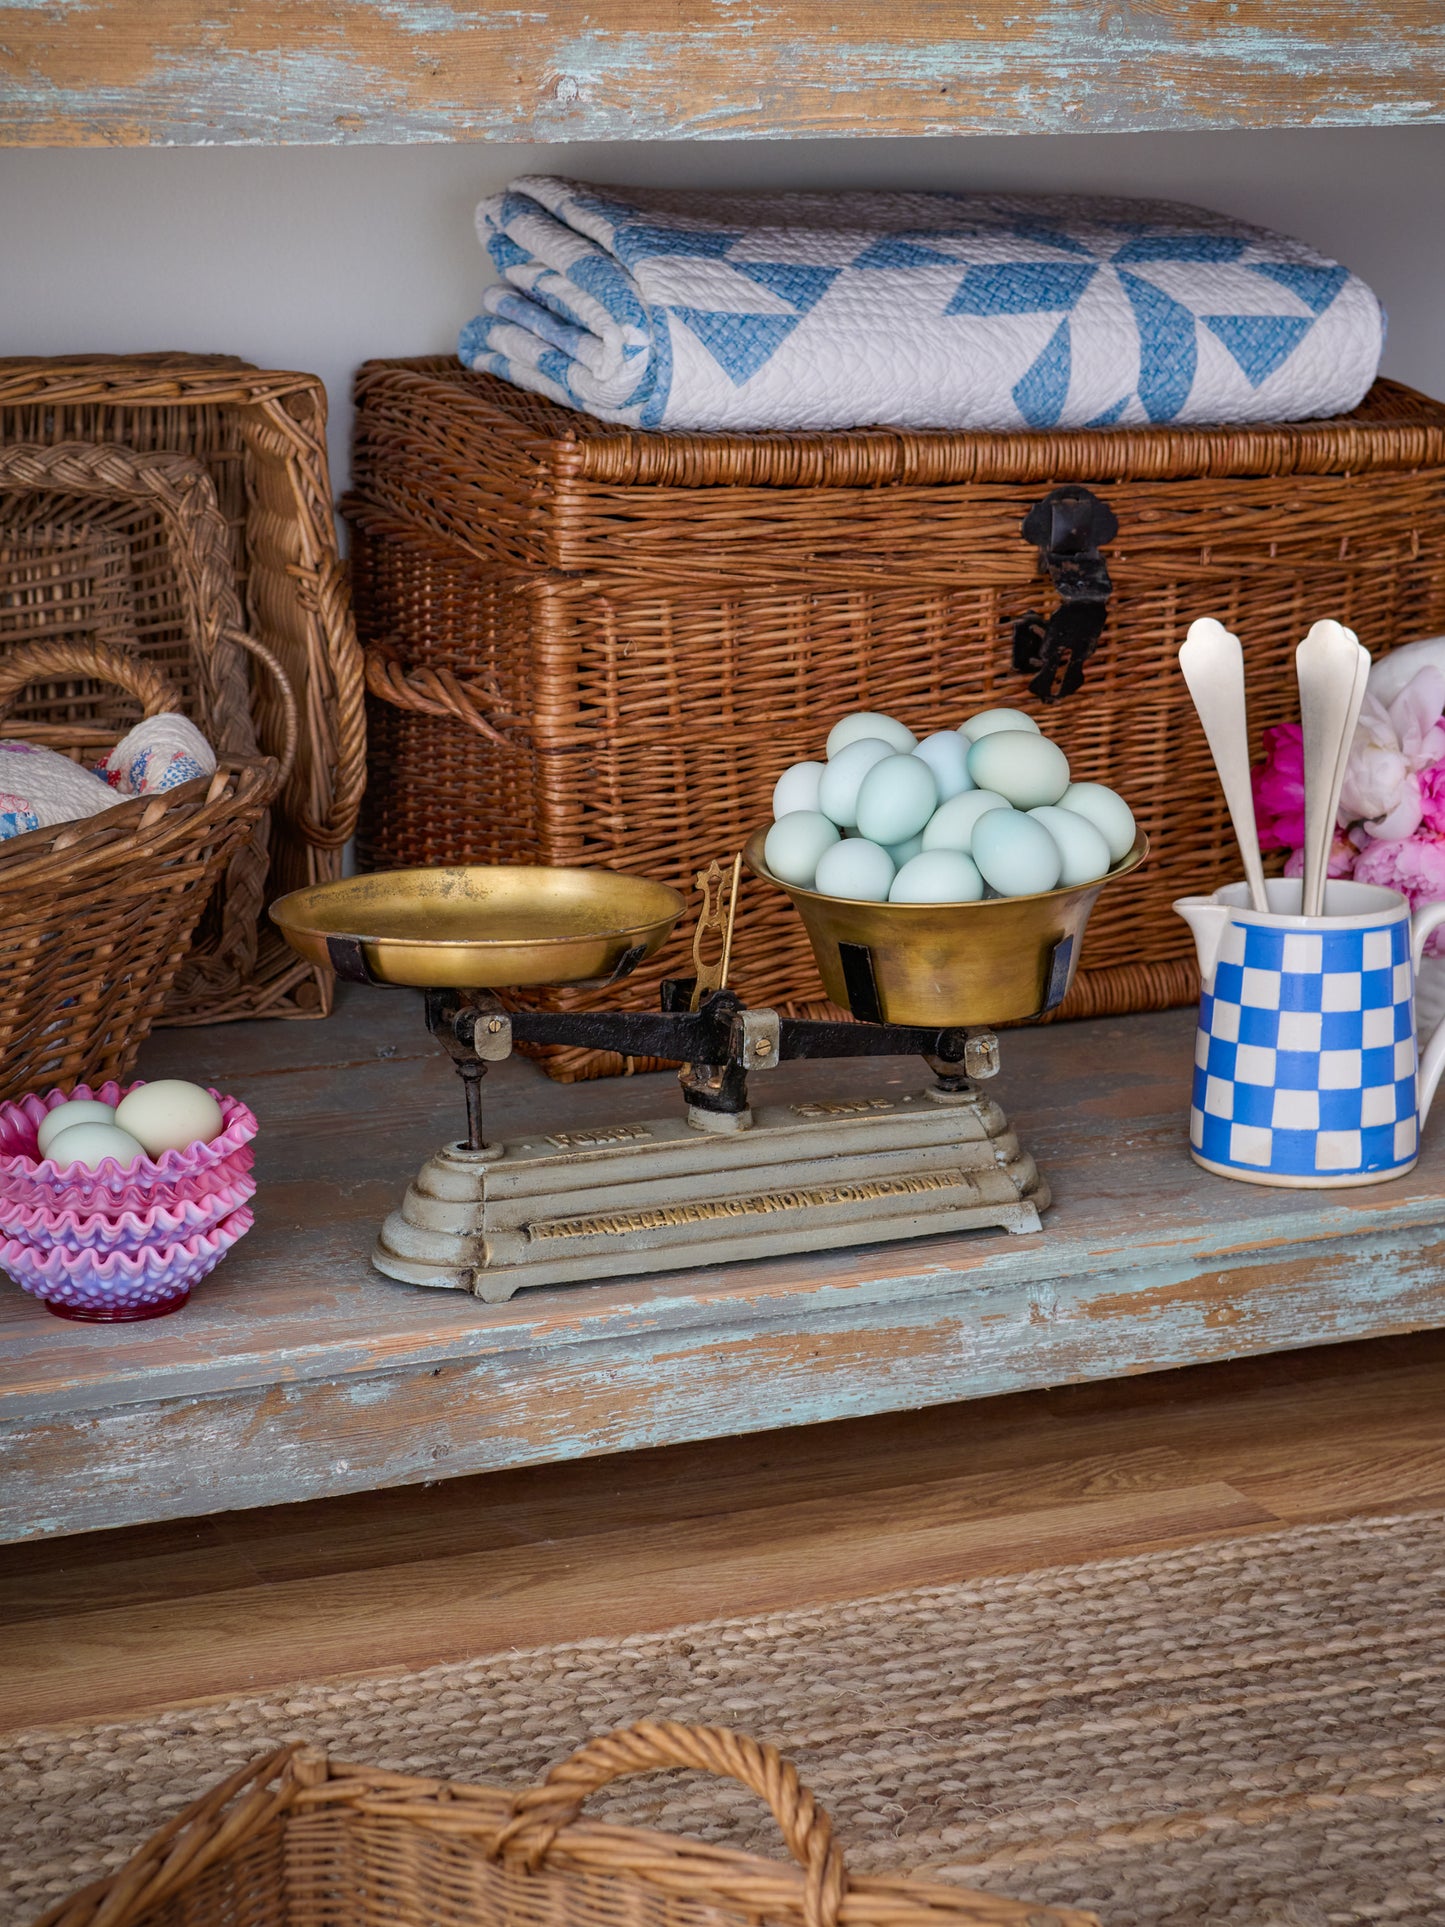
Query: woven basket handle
[291,725]
[432,691]
[45,661]
[540,1814]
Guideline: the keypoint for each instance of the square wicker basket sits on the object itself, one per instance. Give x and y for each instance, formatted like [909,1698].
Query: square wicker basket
[260,435]
[300,1841]
[589,644]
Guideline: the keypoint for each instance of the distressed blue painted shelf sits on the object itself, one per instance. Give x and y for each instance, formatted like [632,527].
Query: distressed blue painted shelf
[296,1371]
[118,72]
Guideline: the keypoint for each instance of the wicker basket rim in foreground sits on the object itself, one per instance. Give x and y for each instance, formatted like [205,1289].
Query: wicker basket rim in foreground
[601,1875]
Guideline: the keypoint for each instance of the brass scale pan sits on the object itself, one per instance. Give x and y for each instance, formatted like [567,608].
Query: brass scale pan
[494,927]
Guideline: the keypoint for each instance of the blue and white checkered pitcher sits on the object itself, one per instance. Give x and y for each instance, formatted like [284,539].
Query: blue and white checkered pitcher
[1305,1067]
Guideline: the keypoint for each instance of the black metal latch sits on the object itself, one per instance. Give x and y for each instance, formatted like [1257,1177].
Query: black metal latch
[1068,527]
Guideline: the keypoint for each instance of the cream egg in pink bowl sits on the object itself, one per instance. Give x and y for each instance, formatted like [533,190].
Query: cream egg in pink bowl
[115,1201]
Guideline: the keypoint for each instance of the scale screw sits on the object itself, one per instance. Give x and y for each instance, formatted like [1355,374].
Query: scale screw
[762,1048]
[494,1026]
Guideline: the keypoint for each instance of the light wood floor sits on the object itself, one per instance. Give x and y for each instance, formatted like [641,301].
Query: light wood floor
[137,1619]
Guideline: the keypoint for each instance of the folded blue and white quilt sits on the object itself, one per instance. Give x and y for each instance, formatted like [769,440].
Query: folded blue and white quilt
[1000,311]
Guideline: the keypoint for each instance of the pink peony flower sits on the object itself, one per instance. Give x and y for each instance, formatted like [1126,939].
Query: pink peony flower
[1392,744]
[1415,866]
[1342,858]
[1431,784]
[1279,789]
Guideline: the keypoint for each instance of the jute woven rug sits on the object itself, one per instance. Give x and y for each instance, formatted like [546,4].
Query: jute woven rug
[1248,1732]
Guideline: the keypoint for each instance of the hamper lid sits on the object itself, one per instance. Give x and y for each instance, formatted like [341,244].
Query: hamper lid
[1394,427]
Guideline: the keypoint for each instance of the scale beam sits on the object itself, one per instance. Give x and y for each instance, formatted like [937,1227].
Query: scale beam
[494,1218]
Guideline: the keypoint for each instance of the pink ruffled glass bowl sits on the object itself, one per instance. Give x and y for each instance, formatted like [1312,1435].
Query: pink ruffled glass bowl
[120,1242]
[113,1286]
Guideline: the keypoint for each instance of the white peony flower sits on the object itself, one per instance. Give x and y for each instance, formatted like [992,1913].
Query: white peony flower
[1392,744]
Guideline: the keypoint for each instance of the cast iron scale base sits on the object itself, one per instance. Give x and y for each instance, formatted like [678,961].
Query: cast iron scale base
[719,1182]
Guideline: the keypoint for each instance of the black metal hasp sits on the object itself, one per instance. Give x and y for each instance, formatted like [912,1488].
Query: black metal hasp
[1068,527]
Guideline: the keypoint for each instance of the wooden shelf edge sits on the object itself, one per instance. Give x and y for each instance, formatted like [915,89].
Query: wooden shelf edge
[139,73]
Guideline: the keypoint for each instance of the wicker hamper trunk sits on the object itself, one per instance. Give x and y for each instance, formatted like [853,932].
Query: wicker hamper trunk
[587,644]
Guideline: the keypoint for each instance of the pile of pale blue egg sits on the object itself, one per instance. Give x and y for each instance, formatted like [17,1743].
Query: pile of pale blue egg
[986,809]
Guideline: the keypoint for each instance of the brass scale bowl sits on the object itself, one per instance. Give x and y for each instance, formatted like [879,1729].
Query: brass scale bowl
[1001,960]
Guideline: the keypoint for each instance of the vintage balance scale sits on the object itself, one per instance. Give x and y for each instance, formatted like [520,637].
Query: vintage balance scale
[723,1179]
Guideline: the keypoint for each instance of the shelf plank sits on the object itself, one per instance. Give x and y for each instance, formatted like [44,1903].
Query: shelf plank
[165,72]
[297,1372]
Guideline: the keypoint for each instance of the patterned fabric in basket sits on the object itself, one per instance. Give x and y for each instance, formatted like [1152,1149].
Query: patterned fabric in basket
[40,789]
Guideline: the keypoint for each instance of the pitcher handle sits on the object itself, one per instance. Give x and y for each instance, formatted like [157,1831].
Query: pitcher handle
[1427,918]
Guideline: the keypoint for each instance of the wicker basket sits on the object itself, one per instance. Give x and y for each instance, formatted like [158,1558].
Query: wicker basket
[260,436]
[96,916]
[300,1841]
[101,545]
[589,644]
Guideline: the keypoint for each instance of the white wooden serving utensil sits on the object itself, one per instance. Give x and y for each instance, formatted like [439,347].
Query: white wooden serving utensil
[1213,666]
[1332,667]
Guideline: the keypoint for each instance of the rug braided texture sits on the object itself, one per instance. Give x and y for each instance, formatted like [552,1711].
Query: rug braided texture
[1246,1733]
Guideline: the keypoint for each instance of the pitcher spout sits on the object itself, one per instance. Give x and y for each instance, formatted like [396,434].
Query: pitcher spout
[1209,921]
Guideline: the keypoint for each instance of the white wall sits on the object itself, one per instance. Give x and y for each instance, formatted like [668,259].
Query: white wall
[316,258]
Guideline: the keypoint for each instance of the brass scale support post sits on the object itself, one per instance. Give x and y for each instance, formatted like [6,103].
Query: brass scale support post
[701,1025]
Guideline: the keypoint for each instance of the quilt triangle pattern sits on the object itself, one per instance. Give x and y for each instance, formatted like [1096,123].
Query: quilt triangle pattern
[1316,287]
[739,343]
[1258,342]
[1021,287]
[802,285]
[1168,353]
[640,241]
[1161,248]
[902,251]
[1041,393]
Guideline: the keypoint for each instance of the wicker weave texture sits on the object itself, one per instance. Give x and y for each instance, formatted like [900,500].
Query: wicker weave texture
[299,1841]
[260,436]
[593,646]
[96,916]
[101,545]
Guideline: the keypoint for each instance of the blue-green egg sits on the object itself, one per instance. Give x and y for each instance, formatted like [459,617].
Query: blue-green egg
[868,722]
[797,789]
[855,868]
[946,754]
[1015,854]
[952,824]
[1021,765]
[896,799]
[795,843]
[1082,850]
[905,851]
[842,779]
[988,721]
[1107,811]
[938,876]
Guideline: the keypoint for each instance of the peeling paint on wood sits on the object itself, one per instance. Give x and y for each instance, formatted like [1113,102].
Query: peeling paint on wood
[166,72]
[297,1372]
